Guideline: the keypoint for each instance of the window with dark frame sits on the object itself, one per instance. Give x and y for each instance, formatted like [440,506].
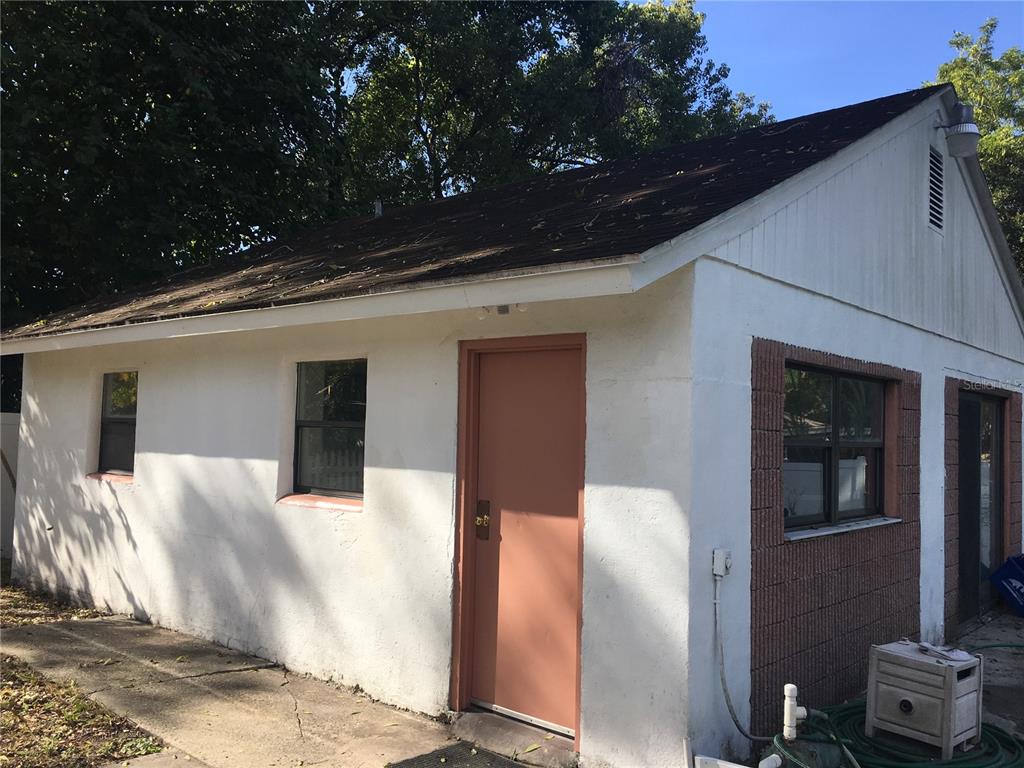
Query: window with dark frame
[117,422]
[833,449]
[330,427]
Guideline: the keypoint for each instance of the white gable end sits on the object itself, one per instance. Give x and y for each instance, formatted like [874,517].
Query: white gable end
[862,235]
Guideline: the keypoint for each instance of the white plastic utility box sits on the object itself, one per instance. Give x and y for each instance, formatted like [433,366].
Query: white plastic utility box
[929,697]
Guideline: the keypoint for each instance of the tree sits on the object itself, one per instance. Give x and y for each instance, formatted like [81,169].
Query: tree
[139,139]
[995,87]
[459,95]
[143,138]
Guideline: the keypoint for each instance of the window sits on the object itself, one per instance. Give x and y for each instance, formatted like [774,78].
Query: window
[117,422]
[330,427]
[832,447]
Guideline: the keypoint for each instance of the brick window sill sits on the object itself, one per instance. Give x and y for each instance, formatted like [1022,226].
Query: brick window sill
[832,530]
[315,501]
[111,477]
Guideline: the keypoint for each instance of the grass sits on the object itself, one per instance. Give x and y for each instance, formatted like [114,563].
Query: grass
[52,724]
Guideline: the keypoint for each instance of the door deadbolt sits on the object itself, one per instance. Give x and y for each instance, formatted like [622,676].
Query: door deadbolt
[482,521]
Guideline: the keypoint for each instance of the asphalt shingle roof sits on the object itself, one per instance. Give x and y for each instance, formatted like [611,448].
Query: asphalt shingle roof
[605,211]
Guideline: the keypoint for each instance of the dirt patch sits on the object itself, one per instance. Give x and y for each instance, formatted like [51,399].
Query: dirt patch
[19,607]
[47,724]
[51,724]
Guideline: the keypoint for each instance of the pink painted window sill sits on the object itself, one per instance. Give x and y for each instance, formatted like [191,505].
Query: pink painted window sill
[112,477]
[315,501]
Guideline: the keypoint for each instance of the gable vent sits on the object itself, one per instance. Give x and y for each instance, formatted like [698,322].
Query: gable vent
[935,187]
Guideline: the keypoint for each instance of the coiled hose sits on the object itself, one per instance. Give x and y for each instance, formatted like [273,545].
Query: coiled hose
[845,723]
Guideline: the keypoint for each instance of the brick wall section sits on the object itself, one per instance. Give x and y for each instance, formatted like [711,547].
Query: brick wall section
[818,604]
[1012,488]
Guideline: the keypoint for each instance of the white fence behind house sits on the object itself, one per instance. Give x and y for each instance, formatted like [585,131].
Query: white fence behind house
[9,443]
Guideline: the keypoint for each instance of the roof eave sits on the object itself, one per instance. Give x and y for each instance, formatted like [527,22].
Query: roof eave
[583,279]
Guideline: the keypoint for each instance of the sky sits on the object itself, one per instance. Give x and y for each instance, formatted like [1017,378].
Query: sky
[804,57]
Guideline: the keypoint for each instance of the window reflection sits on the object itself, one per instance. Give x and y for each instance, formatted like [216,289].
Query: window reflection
[859,481]
[808,411]
[988,491]
[330,427]
[860,409]
[833,447]
[804,485]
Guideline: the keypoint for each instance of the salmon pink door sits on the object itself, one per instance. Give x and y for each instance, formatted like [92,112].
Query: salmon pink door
[523,526]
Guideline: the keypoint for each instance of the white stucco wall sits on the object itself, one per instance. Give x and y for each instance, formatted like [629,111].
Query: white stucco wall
[723,329]
[197,543]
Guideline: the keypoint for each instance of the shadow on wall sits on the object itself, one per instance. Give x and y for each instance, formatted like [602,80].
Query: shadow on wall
[252,576]
[199,545]
[360,598]
[59,544]
[249,580]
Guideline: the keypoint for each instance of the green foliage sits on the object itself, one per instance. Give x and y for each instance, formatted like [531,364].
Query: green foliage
[122,393]
[143,138]
[808,403]
[459,95]
[995,87]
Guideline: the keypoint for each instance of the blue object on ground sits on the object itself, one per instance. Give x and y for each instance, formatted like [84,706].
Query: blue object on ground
[1009,580]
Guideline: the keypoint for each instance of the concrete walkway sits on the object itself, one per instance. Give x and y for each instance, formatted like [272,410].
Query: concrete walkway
[1003,692]
[223,709]
[219,707]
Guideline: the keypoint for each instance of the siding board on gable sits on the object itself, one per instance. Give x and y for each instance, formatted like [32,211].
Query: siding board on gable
[862,236]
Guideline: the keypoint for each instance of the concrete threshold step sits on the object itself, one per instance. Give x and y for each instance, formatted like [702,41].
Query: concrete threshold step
[514,739]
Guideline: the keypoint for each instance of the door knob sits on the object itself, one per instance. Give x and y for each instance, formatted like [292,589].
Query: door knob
[482,521]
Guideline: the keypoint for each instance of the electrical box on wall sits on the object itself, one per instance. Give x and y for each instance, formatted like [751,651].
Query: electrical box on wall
[927,694]
[721,562]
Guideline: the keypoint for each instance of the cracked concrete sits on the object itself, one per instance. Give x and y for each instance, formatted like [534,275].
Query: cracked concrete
[298,717]
[219,706]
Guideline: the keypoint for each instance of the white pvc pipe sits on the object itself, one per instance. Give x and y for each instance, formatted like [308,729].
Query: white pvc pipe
[792,713]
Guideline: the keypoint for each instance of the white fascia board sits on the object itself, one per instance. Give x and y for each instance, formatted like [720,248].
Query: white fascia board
[573,281]
[702,240]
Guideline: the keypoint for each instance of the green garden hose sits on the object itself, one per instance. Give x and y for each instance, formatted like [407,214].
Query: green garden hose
[780,746]
[998,749]
[994,645]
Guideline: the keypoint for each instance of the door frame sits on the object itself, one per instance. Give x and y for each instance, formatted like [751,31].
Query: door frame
[1001,507]
[1011,475]
[465,490]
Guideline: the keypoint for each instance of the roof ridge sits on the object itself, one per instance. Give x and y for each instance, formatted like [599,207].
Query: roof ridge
[667,149]
[598,212]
